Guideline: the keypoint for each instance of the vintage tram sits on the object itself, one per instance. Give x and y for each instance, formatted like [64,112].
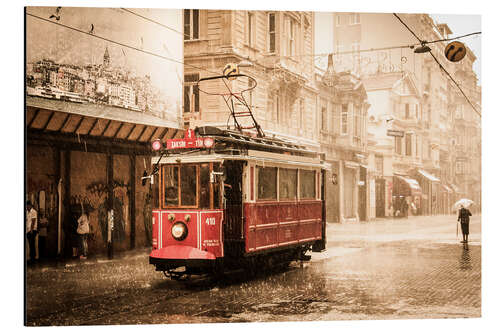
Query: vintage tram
[225,199]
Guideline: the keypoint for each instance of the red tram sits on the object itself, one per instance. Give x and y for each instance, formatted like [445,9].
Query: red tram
[224,199]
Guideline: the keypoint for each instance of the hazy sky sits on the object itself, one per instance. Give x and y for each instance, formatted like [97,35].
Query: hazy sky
[459,24]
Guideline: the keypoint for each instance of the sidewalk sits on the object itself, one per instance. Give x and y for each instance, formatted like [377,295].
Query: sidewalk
[92,259]
[379,229]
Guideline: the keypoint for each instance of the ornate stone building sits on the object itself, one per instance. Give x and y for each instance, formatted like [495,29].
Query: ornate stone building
[284,100]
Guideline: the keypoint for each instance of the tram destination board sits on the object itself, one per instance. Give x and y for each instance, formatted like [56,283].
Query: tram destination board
[395,133]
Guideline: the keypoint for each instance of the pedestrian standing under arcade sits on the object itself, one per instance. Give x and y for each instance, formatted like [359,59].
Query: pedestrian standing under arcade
[31,230]
[463,217]
[83,231]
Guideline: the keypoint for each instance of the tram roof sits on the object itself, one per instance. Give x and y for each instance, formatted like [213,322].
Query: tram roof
[248,141]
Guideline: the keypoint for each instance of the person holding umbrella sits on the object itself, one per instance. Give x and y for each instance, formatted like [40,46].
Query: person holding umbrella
[463,218]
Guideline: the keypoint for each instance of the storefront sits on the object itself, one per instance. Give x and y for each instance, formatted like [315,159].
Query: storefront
[406,196]
[446,199]
[430,189]
[83,156]
[350,176]
[332,193]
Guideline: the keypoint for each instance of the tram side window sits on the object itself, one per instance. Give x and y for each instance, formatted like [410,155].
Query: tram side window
[171,181]
[288,184]
[205,186]
[188,185]
[266,183]
[307,184]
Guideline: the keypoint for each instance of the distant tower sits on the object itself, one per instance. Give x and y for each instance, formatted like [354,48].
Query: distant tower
[106,58]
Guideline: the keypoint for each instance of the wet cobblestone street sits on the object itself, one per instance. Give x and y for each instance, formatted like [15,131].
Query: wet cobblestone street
[387,269]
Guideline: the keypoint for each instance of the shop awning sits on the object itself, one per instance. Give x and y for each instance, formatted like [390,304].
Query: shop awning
[413,185]
[429,176]
[90,123]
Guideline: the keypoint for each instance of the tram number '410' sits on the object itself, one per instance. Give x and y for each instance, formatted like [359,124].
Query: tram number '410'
[210,221]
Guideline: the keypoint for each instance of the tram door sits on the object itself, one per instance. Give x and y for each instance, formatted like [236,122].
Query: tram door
[234,242]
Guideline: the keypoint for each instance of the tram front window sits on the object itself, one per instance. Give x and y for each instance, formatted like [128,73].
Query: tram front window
[171,181]
[188,185]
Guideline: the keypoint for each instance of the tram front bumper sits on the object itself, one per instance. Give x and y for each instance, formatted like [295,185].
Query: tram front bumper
[180,255]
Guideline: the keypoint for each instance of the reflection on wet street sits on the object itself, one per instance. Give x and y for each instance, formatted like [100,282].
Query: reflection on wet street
[378,270]
[465,260]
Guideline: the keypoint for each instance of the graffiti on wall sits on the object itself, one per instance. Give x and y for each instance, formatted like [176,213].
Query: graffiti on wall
[94,201]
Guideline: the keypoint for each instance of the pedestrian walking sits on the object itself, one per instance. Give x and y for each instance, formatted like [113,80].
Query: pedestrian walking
[404,207]
[31,230]
[463,218]
[83,231]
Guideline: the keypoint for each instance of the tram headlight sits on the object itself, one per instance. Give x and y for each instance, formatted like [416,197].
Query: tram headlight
[179,231]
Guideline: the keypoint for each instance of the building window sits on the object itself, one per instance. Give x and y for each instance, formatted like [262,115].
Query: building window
[266,183]
[408,144]
[276,109]
[338,20]
[331,106]
[340,47]
[302,113]
[324,116]
[191,24]
[460,167]
[417,144]
[272,32]
[398,143]
[344,119]
[307,184]
[288,184]
[355,47]
[379,163]
[290,27]
[407,111]
[191,93]
[251,29]
[354,18]
[357,121]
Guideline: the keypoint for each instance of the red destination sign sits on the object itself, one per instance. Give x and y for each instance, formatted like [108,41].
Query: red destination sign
[190,141]
[185,143]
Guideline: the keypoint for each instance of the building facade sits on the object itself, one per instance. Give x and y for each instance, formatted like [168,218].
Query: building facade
[284,100]
[427,151]
[342,109]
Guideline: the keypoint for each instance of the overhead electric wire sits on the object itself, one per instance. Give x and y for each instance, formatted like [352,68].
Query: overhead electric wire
[153,21]
[309,55]
[439,64]
[453,38]
[408,46]
[119,43]
[411,31]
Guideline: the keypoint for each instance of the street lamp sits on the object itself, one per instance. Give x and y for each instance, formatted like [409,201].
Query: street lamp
[422,49]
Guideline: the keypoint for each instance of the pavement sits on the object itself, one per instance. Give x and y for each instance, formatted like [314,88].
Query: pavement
[383,269]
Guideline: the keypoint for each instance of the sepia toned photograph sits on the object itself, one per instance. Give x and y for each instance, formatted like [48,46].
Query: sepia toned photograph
[196,166]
